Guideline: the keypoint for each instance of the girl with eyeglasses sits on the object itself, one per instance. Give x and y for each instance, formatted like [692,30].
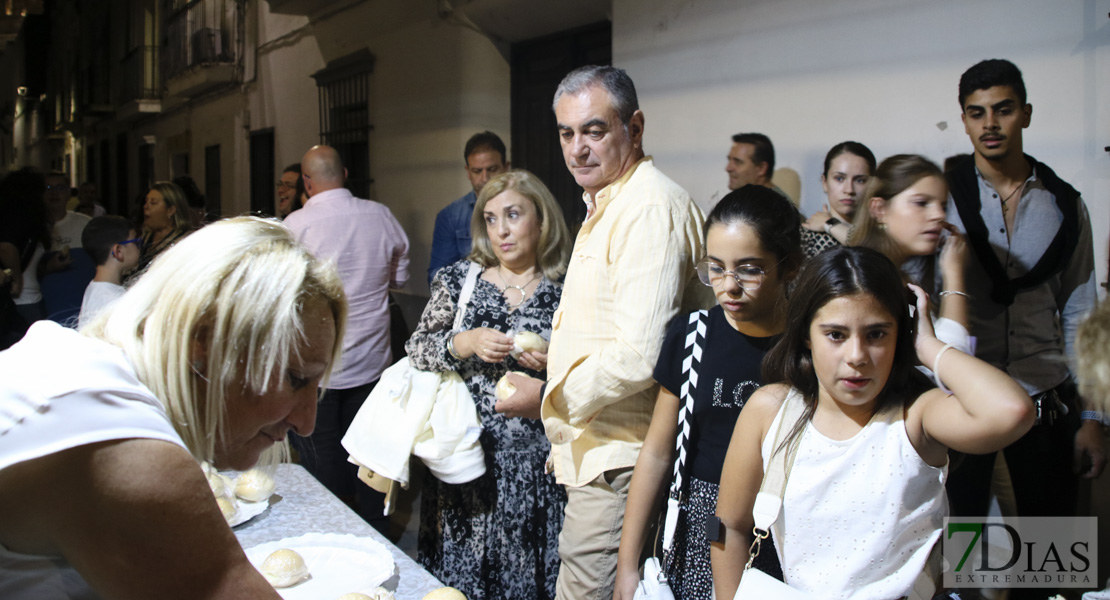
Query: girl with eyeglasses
[753,251]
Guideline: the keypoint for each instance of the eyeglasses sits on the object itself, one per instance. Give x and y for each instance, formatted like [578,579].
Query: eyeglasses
[281,185]
[748,277]
[137,241]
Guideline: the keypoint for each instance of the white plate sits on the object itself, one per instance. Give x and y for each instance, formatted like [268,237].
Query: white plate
[339,564]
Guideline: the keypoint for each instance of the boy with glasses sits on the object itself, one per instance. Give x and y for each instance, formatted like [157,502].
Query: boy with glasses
[115,246]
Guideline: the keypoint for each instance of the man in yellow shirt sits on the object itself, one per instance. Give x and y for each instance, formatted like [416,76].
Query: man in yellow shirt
[631,271]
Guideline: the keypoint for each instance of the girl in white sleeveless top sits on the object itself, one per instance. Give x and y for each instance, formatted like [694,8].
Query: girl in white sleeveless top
[864,499]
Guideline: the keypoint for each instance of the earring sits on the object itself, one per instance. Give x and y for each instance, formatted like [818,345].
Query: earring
[882,226]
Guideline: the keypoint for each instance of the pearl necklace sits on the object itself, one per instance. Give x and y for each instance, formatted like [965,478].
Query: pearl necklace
[520,288]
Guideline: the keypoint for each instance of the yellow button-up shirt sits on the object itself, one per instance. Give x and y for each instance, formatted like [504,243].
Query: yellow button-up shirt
[631,271]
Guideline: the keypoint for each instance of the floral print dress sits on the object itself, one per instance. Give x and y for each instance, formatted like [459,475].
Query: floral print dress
[497,536]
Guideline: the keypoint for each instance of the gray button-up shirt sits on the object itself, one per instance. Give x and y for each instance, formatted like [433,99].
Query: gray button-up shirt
[1033,338]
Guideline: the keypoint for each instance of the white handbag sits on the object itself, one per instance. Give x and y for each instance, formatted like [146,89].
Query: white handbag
[654,585]
[427,414]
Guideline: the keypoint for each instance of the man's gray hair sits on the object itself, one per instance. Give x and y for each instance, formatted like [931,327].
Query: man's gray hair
[611,79]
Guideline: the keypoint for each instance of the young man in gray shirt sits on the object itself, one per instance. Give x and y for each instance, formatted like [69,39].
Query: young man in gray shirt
[1031,281]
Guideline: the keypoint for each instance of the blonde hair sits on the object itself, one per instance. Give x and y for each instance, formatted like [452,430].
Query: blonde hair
[893,176]
[237,288]
[183,215]
[553,248]
[1091,343]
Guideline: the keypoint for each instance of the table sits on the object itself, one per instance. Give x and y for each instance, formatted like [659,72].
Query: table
[306,506]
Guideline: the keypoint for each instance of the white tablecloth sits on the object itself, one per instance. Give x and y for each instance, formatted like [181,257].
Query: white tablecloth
[306,506]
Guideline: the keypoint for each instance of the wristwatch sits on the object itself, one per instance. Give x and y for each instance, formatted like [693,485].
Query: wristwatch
[832,222]
[714,531]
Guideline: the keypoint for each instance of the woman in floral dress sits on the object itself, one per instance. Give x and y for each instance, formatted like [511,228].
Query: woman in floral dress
[497,536]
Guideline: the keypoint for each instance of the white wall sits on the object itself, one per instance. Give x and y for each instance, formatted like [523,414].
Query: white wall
[812,74]
[284,95]
[435,83]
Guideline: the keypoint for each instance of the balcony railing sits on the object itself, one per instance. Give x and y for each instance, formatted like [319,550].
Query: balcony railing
[141,79]
[201,32]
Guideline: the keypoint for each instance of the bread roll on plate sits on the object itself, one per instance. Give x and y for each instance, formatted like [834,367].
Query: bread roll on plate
[222,486]
[229,508]
[254,486]
[284,568]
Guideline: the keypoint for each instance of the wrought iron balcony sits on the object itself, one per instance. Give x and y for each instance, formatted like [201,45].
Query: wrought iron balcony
[202,45]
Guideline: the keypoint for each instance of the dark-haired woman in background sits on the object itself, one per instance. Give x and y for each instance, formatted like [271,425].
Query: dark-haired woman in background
[848,167]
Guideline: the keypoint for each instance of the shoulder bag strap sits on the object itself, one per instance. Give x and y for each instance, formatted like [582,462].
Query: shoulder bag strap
[768,502]
[467,291]
[691,365]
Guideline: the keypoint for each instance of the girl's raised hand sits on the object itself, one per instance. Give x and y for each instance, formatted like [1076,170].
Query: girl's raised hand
[953,256]
[816,221]
[924,324]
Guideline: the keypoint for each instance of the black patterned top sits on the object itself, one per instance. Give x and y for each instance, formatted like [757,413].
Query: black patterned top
[815,242]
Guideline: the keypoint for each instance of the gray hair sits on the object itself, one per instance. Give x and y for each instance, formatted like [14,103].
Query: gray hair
[612,79]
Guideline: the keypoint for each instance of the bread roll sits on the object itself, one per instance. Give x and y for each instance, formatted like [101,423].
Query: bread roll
[229,507]
[526,341]
[254,486]
[221,485]
[284,568]
[504,388]
[445,593]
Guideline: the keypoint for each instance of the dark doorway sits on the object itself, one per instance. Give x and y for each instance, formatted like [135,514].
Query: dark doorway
[146,166]
[537,68]
[104,177]
[121,202]
[262,171]
[212,180]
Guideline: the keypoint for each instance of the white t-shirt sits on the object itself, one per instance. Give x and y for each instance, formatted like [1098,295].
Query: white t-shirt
[90,394]
[67,232]
[32,291]
[98,295]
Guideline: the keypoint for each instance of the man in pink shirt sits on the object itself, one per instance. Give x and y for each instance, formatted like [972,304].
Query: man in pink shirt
[370,250]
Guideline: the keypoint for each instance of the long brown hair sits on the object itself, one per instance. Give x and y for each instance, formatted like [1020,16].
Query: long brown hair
[893,176]
[834,273]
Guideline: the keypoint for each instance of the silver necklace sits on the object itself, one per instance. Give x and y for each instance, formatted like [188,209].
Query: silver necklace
[519,288]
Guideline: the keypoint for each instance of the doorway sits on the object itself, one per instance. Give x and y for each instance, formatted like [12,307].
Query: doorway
[537,67]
